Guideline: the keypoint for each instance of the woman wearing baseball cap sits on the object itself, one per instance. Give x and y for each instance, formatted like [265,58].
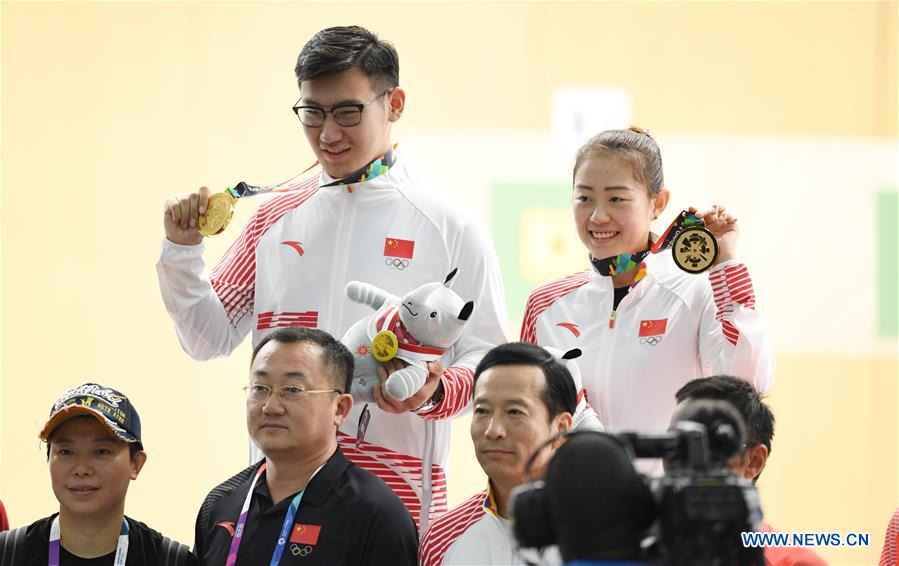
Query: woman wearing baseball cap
[94,450]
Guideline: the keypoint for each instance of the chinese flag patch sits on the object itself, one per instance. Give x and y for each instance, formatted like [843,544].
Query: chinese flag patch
[305,534]
[394,247]
[652,327]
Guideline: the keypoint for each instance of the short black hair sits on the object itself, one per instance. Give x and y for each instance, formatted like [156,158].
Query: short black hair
[559,395]
[590,467]
[337,49]
[742,395]
[335,355]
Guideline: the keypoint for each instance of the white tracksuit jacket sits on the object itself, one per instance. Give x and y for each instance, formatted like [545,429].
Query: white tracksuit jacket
[289,267]
[671,328]
[473,534]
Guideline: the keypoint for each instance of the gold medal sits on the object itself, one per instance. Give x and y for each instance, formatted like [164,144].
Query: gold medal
[219,210]
[695,249]
[384,346]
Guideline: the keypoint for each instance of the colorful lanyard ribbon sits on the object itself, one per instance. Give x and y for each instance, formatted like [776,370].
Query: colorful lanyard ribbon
[220,208]
[285,527]
[622,263]
[374,169]
[490,502]
[121,551]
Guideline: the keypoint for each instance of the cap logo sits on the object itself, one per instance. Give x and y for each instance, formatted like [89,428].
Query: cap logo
[89,390]
[111,407]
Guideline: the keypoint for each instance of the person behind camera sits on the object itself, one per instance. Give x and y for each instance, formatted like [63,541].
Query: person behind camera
[523,396]
[598,509]
[751,460]
[589,467]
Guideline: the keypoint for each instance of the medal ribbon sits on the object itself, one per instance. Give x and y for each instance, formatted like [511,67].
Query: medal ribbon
[121,551]
[406,343]
[375,168]
[286,527]
[622,263]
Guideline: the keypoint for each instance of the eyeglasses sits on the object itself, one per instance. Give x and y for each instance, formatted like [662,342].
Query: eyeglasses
[259,393]
[346,115]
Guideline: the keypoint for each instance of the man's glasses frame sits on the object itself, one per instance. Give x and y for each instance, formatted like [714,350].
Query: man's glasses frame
[346,115]
[260,393]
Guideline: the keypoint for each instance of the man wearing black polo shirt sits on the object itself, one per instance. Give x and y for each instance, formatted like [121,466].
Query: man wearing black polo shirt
[305,503]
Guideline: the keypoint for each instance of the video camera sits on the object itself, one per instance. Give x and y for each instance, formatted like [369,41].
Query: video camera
[594,504]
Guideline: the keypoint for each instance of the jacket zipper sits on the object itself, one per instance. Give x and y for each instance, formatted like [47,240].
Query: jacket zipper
[427,488]
[338,275]
[606,346]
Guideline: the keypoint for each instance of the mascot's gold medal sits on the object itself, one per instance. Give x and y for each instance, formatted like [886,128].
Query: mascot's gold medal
[695,249]
[384,346]
[219,210]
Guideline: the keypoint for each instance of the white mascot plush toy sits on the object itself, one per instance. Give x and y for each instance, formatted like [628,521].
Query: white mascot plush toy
[417,329]
[584,417]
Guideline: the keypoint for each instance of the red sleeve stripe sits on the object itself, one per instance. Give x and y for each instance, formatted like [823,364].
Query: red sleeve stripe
[237,269]
[458,386]
[543,297]
[397,483]
[731,285]
[730,332]
[267,214]
[238,266]
[444,530]
[400,459]
[402,473]
[888,555]
[234,277]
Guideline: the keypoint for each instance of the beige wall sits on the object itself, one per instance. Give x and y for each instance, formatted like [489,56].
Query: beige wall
[108,109]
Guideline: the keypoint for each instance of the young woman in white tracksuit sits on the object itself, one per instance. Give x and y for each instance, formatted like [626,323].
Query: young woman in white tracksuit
[645,326]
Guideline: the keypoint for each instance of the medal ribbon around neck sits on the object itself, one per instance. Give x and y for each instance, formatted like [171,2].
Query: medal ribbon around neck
[121,551]
[375,168]
[220,207]
[625,262]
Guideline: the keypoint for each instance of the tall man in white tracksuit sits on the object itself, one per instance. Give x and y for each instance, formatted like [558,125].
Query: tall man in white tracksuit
[368,217]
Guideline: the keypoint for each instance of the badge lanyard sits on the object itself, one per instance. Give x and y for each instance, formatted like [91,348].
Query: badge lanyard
[121,551]
[285,528]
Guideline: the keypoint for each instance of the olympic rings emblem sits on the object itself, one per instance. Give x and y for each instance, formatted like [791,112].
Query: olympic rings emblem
[298,550]
[396,263]
[651,340]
